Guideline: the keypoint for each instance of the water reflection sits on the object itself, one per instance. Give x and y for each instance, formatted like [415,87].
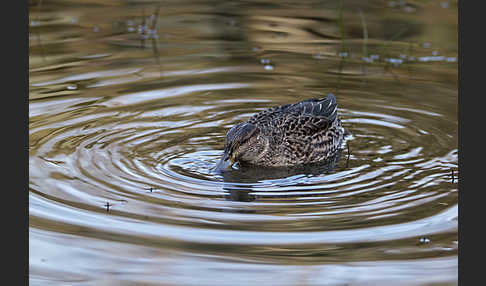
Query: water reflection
[238,181]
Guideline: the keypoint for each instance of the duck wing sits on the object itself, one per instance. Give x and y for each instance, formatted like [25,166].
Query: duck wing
[303,118]
[310,116]
[325,109]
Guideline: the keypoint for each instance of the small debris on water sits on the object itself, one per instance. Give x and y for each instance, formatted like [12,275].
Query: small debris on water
[268,67]
[395,62]
[444,4]
[424,240]
[431,58]
[367,60]
[374,57]
[142,28]
[265,61]
[72,87]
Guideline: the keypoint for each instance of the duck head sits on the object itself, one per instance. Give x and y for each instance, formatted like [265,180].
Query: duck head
[244,144]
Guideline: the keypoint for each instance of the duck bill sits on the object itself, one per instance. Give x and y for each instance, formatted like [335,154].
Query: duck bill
[224,164]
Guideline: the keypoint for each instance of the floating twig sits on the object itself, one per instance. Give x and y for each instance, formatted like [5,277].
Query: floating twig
[108,205]
[347,160]
[150,189]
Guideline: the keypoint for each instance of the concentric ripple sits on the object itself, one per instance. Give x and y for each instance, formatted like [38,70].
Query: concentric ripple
[152,159]
[123,140]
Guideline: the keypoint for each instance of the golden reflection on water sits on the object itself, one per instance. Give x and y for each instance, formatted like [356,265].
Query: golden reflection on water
[129,104]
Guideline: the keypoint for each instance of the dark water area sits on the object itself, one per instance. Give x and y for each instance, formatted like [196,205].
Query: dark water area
[129,105]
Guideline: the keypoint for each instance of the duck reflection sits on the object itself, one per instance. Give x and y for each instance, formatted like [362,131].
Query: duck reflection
[241,181]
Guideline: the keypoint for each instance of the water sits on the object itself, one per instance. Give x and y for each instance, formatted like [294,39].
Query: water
[129,105]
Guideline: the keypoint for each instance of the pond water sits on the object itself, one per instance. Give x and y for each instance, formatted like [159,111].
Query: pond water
[129,104]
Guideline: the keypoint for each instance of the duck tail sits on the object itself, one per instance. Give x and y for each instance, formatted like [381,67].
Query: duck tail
[331,97]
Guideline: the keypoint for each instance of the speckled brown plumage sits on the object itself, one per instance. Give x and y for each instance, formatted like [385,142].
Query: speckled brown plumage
[305,132]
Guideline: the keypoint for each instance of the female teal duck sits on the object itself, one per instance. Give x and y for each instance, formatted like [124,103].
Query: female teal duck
[305,132]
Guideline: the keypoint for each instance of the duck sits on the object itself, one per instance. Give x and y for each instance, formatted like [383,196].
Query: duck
[301,133]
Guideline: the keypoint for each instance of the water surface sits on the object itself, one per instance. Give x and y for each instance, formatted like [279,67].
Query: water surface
[129,104]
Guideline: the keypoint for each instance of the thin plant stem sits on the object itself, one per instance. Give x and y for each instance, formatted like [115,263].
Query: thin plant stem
[365,34]
[340,21]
